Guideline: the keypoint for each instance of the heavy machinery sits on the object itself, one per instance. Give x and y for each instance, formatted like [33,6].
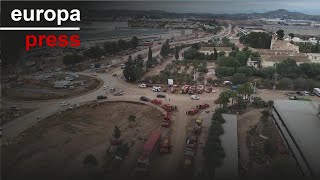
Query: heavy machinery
[169,107]
[165,143]
[143,163]
[156,101]
[202,106]
[185,89]
[197,127]
[192,112]
[166,120]
[200,89]
[192,90]
[190,151]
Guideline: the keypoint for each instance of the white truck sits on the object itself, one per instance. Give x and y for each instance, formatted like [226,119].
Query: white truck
[156,88]
[316,91]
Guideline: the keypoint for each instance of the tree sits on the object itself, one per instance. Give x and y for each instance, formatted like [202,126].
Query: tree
[239,78]
[134,42]
[72,59]
[165,49]
[280,34]
[94,52]
[132,118]
[215,53]
[291,35]
[285,84]
[176,53]
[134,69]
[260,40]
[149,62]
[90,160]
[210,80]
[116,132]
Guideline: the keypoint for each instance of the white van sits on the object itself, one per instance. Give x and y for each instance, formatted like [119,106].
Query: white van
[316,91]
[156,88]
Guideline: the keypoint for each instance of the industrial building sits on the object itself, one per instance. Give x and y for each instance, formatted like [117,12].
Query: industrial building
[299,125]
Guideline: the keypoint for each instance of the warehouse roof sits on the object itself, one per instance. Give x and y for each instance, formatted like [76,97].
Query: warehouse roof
[302,120]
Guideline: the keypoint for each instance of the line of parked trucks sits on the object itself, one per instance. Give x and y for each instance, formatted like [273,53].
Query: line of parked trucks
[186,89]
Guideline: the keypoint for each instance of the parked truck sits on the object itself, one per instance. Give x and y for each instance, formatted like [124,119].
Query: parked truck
[165,143]
[143,163]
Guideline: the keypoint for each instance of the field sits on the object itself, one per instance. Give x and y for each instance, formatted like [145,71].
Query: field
[57,145]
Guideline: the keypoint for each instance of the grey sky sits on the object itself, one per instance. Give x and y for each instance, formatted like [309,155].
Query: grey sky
[221,6]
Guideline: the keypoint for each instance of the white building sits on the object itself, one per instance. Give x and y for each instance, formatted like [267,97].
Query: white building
[251,63]
[314,57]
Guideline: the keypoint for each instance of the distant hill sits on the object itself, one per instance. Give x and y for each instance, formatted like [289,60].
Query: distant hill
[280,13]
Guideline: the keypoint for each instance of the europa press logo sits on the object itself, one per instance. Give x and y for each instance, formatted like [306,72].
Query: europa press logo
[49,15]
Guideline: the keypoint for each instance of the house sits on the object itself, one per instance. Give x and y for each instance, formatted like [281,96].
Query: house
[251,63]
[314,57]
[270,60]
[210,50]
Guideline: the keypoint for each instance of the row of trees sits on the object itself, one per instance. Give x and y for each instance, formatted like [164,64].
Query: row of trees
[213,151]
[259,40]
[239,58]
[120,45]
[239,98]
[309,47]
[194,54]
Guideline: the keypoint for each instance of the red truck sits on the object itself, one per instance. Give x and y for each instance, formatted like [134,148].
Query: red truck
[143,163]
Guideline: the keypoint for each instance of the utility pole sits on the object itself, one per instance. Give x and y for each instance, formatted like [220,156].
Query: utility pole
[275,79]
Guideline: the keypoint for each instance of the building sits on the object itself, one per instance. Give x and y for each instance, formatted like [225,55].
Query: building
[210,50]
[270,60]
[229,141]
[314,57]
[299,125]
[251,63]
[284,46]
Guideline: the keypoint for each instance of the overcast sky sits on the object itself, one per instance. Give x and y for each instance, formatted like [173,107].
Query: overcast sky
[221,6]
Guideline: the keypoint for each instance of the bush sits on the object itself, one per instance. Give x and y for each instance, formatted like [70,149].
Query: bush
[90,160]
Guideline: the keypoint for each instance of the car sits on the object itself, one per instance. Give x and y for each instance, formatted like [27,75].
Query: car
[195,97]
[94,74]
[143,98]
[102,97]
[142,85]
[105,87]
[161,96]
[114,75]
[156,88]
[293,98]
[118,93]
[64,103]
[14,108]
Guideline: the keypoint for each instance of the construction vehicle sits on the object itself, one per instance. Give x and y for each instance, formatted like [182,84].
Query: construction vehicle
[169,107]
[165,144]
[156,101]
[209,90]
[192,112]
[192,142]
[200,89]
[202,106]
[185,89]
[143,163]
[197,127]
[166,120]
[192,90]
[190,151]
